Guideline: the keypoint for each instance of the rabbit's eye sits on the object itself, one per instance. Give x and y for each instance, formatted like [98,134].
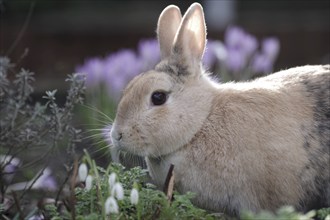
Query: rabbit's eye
[158,98]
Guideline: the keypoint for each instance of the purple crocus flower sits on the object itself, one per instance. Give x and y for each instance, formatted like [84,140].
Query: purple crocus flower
[233,37]
[271,47]
[120,68]
[10,165]
[237,38]
[240,46]
[45,181]
[149,53]
[94,70]
[236,59]
[209,57]
[249,44]
[263,61]
[215,53]
[219,50]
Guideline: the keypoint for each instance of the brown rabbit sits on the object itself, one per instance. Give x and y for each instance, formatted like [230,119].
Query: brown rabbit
[251,145]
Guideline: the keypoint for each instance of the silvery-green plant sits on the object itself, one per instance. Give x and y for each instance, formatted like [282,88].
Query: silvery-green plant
[31,135]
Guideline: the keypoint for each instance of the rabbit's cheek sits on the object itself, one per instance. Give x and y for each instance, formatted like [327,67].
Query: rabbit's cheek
[131,140]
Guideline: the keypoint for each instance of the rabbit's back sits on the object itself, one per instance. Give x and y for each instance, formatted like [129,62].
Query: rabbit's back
[276,130]
[265,144]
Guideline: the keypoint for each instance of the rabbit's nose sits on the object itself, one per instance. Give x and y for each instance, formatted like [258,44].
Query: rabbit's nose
[117,136]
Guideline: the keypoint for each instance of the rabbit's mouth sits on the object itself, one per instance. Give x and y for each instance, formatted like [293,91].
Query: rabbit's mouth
[124,145]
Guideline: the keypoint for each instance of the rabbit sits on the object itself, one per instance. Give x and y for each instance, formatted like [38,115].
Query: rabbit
[239,146]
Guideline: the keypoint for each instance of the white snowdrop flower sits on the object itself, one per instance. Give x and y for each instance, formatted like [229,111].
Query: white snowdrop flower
[118,191]
[89,182]
[111,206]
[82,172]
[112,180]
[134,196]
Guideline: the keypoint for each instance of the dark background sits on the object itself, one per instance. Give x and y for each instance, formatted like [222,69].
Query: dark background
[59,35]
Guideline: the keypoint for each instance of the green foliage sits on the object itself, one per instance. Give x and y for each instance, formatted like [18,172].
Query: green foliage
[51,211]
[152,203]
[287,213]
[323,213]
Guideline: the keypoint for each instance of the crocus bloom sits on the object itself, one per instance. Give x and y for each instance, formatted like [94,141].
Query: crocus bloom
[111,206]
[235,60]
[261,63]
[220,50]
[120,68]
[45,181]
[82,172]
[149,52]
[10,165]
[240,47]
[94,70]
[271,47]
[89,182]
[134,196]
[209,58]
[249,44]
[233,37]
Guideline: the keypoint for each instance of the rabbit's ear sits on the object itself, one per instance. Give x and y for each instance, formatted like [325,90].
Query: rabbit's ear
[168,25]
[191,37]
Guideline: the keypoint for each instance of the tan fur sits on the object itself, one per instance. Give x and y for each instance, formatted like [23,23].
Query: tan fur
[253,145]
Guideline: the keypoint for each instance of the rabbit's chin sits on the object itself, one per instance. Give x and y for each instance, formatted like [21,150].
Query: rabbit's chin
[144,150]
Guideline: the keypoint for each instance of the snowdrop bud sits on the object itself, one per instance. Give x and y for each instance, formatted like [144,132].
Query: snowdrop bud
[89,183]
[82,172]
[112,179]
[118,191]
[111,205]
[134,196]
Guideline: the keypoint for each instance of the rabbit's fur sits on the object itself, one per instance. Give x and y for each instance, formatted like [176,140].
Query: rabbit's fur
[251,145]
